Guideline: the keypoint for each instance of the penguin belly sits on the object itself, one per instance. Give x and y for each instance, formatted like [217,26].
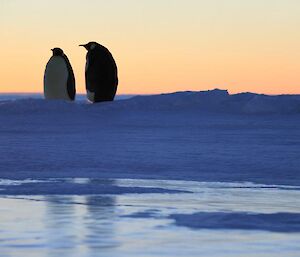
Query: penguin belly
[56,79]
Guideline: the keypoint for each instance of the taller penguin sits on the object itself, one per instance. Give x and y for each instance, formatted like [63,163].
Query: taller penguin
[59,81]
[101,73]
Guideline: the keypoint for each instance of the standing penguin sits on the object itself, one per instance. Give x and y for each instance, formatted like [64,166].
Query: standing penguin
[59,80]
[101,74]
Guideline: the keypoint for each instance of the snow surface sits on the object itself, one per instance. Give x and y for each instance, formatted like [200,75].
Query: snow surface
[160,172]
[277,222]
[199,136]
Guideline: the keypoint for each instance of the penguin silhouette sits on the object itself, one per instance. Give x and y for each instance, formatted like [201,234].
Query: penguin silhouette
[101,73]
[59,80]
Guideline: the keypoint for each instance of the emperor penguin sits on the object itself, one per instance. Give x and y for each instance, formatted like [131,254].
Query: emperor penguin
[101,73]
[59,80]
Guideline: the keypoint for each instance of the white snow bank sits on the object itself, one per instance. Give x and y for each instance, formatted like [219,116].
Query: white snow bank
[216,101]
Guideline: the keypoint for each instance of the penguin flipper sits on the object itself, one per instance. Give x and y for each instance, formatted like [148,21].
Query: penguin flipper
[71,80]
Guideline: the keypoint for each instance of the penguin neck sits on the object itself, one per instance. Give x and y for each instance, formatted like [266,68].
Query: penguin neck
[58,55]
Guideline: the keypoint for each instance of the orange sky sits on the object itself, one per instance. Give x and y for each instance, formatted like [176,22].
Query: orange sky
[159,45]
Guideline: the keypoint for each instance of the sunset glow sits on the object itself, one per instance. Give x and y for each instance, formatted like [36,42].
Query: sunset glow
[159,45]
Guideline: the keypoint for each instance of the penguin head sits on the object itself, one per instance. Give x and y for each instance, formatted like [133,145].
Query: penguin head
[57,51]
[90,46]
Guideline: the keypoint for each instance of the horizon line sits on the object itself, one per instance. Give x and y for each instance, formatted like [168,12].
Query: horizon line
[160,93]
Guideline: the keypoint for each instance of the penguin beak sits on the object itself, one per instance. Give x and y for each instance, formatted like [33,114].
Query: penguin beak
[85,46]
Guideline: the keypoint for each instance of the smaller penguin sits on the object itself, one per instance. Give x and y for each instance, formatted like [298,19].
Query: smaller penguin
[59,80]
[101,73]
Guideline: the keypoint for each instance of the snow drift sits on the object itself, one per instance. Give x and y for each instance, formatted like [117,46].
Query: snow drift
[219,101]
[212,101]
[204,136]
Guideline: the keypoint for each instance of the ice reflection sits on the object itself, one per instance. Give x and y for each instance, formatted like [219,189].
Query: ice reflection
[59,222]
[150,224]
[85,222]
[99,221]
